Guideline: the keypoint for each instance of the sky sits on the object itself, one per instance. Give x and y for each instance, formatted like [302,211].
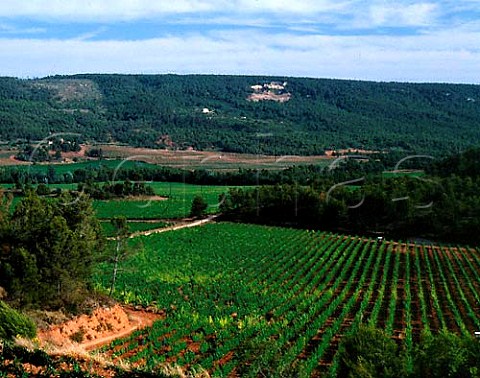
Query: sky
[380,40]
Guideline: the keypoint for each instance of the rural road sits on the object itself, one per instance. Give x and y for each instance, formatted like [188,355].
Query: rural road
[172,228]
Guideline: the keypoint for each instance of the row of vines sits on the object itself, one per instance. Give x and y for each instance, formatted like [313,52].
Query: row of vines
[176,203]
[245,300]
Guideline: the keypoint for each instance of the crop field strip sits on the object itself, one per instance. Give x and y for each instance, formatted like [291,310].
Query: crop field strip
[177,202]
[243,299]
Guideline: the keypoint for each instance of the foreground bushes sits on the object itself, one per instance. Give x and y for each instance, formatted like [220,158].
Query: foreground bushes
[48,248]
[371,353]
[13,323]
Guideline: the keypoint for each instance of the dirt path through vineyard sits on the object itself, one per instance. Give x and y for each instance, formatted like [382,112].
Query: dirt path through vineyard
[177,226]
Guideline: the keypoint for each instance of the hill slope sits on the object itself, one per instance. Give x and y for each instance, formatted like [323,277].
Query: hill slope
[243,113]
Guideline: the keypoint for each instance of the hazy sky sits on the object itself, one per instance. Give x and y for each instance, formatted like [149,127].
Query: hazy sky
[370,40]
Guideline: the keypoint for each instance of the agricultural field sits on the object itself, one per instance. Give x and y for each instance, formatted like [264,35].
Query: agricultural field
[69,168]
[213,160]
[176,202]
[247,300]
[130,157]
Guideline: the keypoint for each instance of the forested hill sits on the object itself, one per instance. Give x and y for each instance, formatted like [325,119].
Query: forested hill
[270,115]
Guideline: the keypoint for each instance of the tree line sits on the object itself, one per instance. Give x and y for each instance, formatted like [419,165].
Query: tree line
[50,151]
[115,190]
[345,169]
[445,208]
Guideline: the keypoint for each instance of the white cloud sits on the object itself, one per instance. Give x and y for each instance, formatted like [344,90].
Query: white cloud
[424,58]
[99,10]
[124,10]
[290,6]
[438,52]
[340,14]
[11,29]
[92,34]
[419,14]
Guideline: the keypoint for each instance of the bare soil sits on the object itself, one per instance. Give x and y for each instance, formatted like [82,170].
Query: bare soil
[347,151]
[100,328]
[189,159]
[186,159]
[269,96]
[8,157]
[68,156]
[175,227]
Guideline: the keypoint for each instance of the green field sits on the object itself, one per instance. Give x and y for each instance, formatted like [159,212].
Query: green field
[61,169]
[177,204]
[245,300]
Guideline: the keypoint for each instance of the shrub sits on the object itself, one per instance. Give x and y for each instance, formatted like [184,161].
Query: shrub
[13,323]
[369,352]
[43,190]
[199,206]
[78,336]
[447,355]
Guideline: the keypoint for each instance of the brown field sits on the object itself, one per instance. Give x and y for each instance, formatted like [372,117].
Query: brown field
[191,159]
[7,156]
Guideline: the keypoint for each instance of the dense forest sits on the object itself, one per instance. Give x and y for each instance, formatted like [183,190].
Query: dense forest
[443,205]
[216,112]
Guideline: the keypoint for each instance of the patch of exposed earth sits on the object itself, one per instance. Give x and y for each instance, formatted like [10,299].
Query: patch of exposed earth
[102,326]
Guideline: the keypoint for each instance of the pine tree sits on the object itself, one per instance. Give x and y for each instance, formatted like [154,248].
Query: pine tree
[199,207]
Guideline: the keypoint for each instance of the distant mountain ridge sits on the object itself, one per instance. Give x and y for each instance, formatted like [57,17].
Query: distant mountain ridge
[254,114]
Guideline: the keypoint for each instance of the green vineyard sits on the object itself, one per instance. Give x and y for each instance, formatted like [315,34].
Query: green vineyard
[245,300]
[177,203]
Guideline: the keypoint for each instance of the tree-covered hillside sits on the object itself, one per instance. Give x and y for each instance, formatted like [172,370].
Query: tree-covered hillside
[215,112]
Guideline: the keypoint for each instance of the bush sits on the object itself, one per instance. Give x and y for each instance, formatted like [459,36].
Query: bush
[43,190]
[199,207]
[447,355]
[370,353]
[13,323]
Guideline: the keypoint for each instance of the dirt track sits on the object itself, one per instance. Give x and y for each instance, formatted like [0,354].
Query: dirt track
[175,227]
[178,226]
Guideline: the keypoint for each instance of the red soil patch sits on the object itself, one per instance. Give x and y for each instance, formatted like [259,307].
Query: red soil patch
[67,157]
[6,158]
[99,328]
[75,154]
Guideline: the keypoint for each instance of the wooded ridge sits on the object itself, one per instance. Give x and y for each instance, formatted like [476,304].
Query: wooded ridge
[254,114]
